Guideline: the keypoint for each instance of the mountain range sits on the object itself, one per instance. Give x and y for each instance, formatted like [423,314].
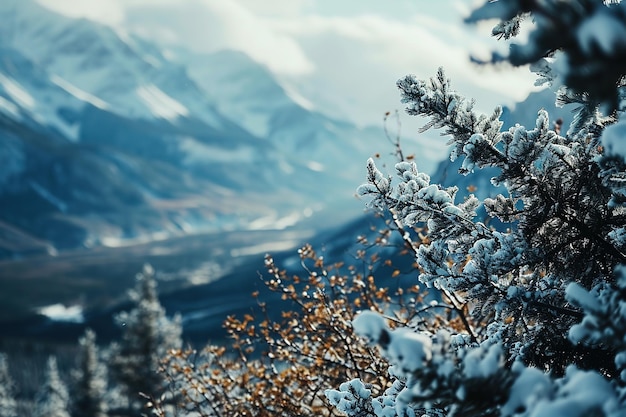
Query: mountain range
[106,141]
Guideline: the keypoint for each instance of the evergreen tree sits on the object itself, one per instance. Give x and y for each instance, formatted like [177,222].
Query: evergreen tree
[147,335]
[52,399]
[89,380]
[8,406]
[536,317]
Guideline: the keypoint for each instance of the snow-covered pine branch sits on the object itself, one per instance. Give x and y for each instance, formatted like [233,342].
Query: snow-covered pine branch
[474,135]
[585,39]
[544,293]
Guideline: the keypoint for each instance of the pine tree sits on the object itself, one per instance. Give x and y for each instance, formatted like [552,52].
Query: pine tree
[535,322]
[8,406]
[90,382]
[147,335]
[52,399]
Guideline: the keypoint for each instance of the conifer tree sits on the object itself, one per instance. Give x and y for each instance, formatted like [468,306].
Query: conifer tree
[538,311]
[147,335]
[90,382]
[8,406]
[52,399]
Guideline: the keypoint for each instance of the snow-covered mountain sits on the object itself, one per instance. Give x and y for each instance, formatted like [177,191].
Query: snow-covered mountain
[103,68]
[248,94]
[104,138]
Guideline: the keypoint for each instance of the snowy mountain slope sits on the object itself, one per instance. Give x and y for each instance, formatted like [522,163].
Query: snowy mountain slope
[240,88]
[92,58]
[247,93]
[104,137]
[28,94]
[63,195]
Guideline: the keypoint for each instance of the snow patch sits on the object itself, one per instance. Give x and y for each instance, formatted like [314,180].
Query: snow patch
[315,166]
[78,93]
[602,31]
[408,350]
[265,248]
[614,139]
[198,152]
[285,167]
[160,104]
[370,326]
[120,242]
[43,109]
[9,108]
[271,222]
[298,98]
[482,363]
[47,195]
[60,312]
[584,393]
[578,295]
[17,92]
[152,60]
[347,398]
[530,387]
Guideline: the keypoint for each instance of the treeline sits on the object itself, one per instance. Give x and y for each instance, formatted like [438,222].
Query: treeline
[111,381]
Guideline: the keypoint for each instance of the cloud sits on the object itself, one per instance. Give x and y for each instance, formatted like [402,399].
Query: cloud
[201,25]
[359,58]
[343,56]
[110,12]
[279,8]
[211,25]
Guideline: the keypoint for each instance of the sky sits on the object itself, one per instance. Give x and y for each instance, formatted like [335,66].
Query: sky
[343,57]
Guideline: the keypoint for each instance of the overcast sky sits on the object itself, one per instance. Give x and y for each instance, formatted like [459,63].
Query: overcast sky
[342,55]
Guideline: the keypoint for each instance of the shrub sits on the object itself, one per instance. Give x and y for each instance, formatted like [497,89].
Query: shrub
[280,366]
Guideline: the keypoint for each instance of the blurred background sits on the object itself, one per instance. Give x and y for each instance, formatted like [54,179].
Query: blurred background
[198,135]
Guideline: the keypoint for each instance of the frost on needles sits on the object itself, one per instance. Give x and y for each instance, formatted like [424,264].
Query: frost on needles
[536,324]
